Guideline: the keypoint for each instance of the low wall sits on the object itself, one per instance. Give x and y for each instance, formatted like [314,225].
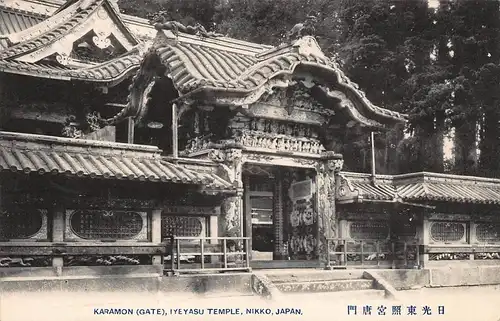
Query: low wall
[458,275]
[464,275]
[122,279]
[405,279]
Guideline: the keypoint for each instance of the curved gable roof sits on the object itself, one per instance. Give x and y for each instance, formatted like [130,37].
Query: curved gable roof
[239,74]
[62,26]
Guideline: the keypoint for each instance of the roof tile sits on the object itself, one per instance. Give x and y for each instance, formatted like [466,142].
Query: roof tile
[97,162]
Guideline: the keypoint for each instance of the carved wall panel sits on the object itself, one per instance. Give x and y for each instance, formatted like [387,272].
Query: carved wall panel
[24,224]
[325,189]
[231,219]
[85,224]
[107,260]
[184,226]
[25,261]
[448,232]
[303,221]
[488,233]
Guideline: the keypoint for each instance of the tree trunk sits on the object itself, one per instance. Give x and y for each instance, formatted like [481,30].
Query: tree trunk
[465,148]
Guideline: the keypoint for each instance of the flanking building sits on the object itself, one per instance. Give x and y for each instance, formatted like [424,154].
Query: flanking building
[116,135]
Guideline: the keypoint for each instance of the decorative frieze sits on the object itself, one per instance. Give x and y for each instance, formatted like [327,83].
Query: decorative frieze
[28,261]
[285,143]
[449,256]
[107,260]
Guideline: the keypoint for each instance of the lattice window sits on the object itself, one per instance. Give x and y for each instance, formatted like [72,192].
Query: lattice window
[100,224]
[447,231]
[181,226]
[369,230]
[21,223]
[488,232]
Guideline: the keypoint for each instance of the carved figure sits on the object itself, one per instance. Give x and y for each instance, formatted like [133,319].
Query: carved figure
[161,23]
[302,29]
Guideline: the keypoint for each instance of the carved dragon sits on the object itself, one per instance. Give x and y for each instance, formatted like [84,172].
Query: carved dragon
[160,22]
[306,28]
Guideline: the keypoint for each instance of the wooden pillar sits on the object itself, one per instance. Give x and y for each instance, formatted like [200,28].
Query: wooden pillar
[247,213]
[156,233]
[58,225]
[130,130]
[472,236]
[213,222]
[278,252]
[424,239]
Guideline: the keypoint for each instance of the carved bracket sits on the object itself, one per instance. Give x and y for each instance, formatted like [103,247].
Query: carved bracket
[345,192]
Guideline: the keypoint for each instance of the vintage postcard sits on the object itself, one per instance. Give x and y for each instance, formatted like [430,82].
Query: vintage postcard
[249,160]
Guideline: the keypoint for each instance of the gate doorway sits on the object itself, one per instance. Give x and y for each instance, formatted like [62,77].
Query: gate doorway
[270,206]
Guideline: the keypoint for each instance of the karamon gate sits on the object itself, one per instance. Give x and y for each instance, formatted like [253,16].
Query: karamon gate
[274,119]
[131,147]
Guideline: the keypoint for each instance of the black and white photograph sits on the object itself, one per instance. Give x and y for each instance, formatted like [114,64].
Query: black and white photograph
[315,160]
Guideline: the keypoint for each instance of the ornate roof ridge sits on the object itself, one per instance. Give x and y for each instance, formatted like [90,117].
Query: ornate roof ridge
[425,177]
[73,19]
[60,25]
[42,27]
[43,139]
[121,67]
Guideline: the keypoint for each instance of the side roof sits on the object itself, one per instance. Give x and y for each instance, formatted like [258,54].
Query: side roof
[421,187]
[35,29]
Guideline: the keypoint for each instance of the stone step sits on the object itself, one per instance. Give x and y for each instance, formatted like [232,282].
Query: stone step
[314,275]
[325,286]
[341,297]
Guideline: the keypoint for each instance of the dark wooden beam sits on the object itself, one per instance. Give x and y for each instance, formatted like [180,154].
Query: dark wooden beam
[175,138]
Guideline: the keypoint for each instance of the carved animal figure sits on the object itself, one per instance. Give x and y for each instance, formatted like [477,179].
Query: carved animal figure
[305,28]
[176,27]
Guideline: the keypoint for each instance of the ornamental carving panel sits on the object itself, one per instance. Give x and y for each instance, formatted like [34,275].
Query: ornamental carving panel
[488,233]
[107,260]
[106,225]
[275,142]
[186,226]
[303,241]
[447,232]
[25,261]
[25,223]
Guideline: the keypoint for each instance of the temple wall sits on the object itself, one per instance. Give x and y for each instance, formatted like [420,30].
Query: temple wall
[466,240]
[37,231]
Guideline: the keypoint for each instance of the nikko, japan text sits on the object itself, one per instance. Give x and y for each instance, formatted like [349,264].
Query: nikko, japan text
[197,311]
[395,310]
